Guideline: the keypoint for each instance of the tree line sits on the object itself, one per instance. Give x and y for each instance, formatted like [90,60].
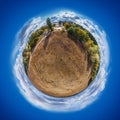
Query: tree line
[89,43]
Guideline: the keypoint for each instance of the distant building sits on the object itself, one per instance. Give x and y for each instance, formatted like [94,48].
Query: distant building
[58,25]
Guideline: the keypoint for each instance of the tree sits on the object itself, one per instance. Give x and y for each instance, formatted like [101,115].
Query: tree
[67,25]
[82,36]
[88,43]
[70,31]
[95,58]
[39,32]
[60,22]
[49,24]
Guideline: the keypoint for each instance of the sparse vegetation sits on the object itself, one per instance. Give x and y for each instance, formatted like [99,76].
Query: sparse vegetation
[73,30]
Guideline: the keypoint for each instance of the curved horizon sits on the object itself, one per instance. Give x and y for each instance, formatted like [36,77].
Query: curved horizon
[72,103]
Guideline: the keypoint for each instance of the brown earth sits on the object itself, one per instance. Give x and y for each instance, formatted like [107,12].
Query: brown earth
[59,66]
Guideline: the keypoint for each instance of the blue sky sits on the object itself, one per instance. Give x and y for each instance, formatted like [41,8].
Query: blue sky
[14,13]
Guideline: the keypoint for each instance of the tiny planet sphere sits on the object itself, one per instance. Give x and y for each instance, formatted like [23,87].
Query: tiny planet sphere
[61,63]
[61,58]
[61,69]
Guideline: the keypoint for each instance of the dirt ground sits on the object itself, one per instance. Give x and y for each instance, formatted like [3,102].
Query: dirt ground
[59,66]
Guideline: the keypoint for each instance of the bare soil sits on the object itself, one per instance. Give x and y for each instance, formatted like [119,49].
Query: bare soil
[59,66]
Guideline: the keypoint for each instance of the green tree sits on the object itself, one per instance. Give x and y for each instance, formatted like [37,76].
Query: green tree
[67,25]
[88,43]
[71,31]
[95,58]
[49,24]
[39,32]
[60,22]
[81,34]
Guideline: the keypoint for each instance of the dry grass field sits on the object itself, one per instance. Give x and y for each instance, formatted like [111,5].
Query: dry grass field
[59,66]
